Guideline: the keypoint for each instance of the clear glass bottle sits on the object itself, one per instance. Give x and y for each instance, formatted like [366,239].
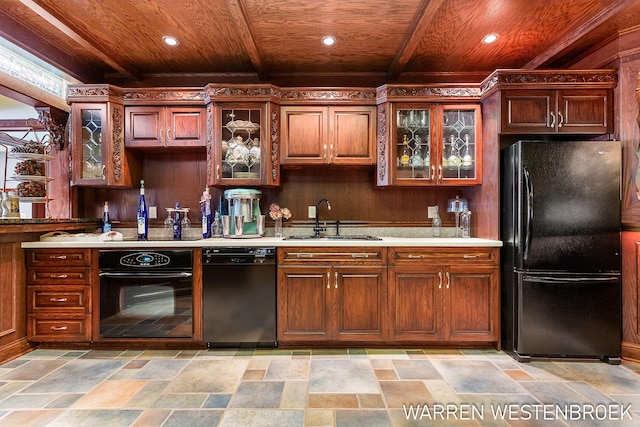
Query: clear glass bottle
[404,157]
[437,223]
[142,215]
[106,220]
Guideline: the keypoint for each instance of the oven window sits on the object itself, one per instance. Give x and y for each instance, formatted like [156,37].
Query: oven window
[147,308]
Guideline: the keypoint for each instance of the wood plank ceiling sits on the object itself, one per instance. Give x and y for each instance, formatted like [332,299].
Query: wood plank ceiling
[379,41]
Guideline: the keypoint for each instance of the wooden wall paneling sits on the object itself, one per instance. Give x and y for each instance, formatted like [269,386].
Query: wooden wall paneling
[630,295]
[626,115]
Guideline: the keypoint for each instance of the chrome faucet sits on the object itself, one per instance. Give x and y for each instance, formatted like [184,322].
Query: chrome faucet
[317,229]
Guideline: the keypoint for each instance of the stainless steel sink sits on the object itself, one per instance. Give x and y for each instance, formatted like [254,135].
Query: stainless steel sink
[347,237]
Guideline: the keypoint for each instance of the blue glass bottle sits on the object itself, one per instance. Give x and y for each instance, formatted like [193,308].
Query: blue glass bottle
[177,223]
[142,215]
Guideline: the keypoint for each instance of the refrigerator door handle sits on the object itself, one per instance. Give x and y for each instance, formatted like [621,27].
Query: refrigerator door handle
[552,279]
[529,218]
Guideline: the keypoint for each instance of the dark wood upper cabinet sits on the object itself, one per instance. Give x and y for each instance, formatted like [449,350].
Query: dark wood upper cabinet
[343,135]
[570,111]
[159,126]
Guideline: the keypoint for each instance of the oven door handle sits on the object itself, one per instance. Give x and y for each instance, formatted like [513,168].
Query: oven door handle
[138,275]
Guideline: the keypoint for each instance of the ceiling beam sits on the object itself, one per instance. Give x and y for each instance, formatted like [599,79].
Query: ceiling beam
[81,40]
[557,49]
[238,10]
[414,36]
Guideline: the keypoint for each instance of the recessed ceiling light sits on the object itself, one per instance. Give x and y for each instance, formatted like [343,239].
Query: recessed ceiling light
[171,41]
[490,38]
[328,40]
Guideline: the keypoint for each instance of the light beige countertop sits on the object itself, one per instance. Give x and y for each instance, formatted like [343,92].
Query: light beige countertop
[270,241]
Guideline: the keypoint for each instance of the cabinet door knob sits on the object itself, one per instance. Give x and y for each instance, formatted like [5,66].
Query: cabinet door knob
[440,277]
[328,280]
[336,276]
[161,139]
[553,120]
[433,172]
[560,119]
[448,280]
[168,135]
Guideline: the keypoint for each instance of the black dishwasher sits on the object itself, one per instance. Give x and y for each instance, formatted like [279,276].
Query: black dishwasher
[239,296]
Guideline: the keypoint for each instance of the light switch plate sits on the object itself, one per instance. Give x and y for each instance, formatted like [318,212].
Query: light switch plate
[431,211]
[153,212]
[311,211]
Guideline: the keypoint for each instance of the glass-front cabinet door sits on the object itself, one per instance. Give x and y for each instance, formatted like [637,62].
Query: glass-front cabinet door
[435,144]
[238,155]
[413,144]
[460,139]
[97,147]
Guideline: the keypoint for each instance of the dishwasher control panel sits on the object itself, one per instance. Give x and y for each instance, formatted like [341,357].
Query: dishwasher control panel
[241,255]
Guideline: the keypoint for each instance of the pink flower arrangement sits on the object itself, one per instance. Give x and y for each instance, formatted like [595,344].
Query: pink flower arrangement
[275,212]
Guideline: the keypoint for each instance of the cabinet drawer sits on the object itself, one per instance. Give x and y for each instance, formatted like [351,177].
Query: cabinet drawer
[56,298]
[440,256]
[58,328]
[59,275]
[345,256]
[59,257]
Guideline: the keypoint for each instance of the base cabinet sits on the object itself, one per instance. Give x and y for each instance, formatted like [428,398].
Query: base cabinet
[59,295]
[444,294]
[333,300]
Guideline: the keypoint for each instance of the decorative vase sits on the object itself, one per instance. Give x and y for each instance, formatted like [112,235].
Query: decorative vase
[278,227]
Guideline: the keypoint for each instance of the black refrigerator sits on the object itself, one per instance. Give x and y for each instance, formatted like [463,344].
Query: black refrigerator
[561,293]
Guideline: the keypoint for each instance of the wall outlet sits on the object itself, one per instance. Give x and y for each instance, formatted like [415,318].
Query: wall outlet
[431,211]
[153,212]
[311,211]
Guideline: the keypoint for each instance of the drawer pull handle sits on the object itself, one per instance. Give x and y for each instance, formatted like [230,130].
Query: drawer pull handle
[59,299]
[304,255]
[359,255]
[59,276]
[415,256]
[470,256]
[57,257]
[58,328]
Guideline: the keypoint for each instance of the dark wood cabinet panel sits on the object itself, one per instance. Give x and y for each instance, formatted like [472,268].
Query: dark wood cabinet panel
[161,126]
[59,301]
[302,304]
[473,304]
[328,135]
[332,295]
[444,294]
[572,111]
[414,302]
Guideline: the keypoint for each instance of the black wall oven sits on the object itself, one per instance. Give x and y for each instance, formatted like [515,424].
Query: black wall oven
[146,294]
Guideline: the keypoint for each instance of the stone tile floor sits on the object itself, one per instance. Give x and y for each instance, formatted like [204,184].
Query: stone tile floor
[342,387]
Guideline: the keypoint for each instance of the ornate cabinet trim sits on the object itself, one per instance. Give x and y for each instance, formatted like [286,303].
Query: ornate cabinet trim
[431,93]
[298,96]
[164,96]
[545,79]
[251,92]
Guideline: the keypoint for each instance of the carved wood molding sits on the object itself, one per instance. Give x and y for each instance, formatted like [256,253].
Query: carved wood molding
[410,93]
[550,78]
[163,95]
[209,143]
[93,93]
[54,121]
[250,92]
[382,143]
[117,156]
[275,148]
[362,96]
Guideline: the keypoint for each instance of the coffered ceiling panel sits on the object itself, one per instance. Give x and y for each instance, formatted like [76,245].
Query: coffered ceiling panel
[378,41]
